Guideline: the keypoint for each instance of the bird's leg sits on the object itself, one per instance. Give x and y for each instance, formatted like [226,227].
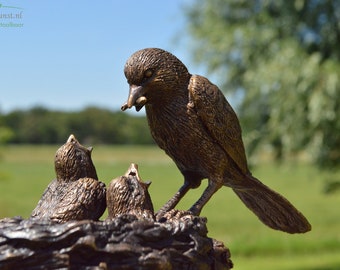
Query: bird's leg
[174,200]
[208,192]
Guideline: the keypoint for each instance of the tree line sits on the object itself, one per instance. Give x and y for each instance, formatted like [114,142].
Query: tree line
[40,125]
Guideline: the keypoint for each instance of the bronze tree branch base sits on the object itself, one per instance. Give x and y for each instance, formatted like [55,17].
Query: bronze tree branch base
[124,242]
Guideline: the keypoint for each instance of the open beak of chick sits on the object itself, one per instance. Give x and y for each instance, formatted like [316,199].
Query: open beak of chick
[133,171]
[136,98]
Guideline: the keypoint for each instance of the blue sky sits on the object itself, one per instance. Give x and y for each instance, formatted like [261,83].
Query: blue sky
[70,54]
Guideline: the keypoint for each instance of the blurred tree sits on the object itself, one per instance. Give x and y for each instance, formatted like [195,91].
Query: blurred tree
[6,134]
[281,60]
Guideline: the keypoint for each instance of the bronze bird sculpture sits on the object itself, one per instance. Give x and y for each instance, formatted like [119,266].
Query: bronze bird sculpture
[128,194]
[76,193]
[191,120]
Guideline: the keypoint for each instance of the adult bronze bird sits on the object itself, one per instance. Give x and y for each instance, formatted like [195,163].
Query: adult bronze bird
[191,120]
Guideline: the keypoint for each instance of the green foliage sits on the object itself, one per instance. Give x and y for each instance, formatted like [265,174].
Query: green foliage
[92,125]
[6,134]
[281,60]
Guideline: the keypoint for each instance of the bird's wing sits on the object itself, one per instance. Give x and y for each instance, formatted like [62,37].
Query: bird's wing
[46,202]
[219,118]
[81,199]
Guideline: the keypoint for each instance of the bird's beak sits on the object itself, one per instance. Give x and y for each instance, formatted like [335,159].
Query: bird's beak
[136,98]
[133,171]
[72,139]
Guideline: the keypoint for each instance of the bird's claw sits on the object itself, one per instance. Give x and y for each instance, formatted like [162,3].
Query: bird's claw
[173,214]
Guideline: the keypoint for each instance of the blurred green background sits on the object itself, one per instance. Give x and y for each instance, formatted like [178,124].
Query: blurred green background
[26,170]
[279,64]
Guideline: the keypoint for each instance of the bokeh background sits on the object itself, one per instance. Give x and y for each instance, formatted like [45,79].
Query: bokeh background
[61,72]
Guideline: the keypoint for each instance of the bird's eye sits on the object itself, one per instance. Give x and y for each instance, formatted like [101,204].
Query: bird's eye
[148,73]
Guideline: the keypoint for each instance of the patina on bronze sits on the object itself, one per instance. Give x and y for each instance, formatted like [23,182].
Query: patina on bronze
[191,120]
[76,193]
[128,194]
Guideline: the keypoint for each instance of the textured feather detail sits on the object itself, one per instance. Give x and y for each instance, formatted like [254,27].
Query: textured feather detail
[271,208]
[219,118]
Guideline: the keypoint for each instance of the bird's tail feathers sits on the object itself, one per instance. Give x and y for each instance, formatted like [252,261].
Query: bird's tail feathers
[271,208]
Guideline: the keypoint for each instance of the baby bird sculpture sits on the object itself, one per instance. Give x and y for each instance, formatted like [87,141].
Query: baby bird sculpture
[76,193]
[128,194]
[191,120]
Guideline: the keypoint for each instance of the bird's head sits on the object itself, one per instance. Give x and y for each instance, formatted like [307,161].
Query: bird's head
[128,194]
[73,161]
[152,73]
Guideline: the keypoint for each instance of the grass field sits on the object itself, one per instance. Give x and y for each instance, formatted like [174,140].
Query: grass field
[25,171]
